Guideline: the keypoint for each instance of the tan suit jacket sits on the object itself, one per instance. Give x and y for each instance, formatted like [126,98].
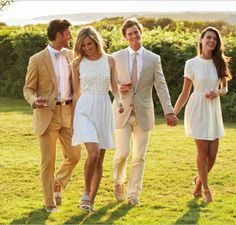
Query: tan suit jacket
[141,98]
[41,81]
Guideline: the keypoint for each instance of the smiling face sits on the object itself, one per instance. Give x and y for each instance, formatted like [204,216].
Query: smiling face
[89,47]
[209,41]
[133,36]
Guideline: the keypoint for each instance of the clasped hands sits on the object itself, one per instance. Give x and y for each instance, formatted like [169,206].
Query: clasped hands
[171,119]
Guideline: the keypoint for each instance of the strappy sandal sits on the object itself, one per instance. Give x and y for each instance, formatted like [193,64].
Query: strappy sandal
[92,208]
[85,203]
[206,194]
[199,193]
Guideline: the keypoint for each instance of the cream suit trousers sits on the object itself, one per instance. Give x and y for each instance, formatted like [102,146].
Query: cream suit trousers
[140,139]
[59,128]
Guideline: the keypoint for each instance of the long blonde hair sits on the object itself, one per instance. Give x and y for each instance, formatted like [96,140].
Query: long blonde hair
[82,34]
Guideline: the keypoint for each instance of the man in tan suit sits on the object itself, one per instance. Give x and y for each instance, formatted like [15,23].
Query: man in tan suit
[48,90]
[137,71]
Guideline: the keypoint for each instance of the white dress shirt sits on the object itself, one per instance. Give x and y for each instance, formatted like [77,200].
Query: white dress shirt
[62,71]
[139,60]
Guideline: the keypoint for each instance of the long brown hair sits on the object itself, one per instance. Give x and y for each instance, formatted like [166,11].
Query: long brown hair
[82,34]
[220,60]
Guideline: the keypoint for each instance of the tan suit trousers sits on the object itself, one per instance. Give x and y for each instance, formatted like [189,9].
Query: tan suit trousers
[140,140]
[59,127]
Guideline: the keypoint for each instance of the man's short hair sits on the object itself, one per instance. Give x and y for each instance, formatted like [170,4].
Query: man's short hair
[56,26]
[130,23]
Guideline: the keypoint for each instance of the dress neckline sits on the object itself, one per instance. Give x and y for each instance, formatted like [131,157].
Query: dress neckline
[205,60]
[90,60]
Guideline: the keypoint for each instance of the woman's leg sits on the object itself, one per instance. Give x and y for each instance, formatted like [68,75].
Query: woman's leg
[202,155]
[213,149]
[90,165]
[212,152]
[202,164]
[97,176]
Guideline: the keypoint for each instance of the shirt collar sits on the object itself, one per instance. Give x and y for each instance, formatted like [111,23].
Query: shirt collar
[131,51]
[54,51]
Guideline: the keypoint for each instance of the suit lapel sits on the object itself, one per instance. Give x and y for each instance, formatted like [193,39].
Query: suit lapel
[48,62]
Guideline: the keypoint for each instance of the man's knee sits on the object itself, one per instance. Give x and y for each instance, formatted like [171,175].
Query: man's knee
[75,154]
[121,157]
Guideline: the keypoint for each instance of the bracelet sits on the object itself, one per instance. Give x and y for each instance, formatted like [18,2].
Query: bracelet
[222,91]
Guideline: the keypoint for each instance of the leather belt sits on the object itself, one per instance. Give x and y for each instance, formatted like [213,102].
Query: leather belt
[67,102]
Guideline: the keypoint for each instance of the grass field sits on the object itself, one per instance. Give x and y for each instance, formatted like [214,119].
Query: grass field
[167,185]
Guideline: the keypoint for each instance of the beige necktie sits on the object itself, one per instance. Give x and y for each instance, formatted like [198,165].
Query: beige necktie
[134,72]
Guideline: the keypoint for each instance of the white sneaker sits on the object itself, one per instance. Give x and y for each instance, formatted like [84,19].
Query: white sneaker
[133,201]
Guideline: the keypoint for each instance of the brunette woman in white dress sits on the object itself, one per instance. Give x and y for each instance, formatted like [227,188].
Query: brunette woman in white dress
[93,74]
[208,73]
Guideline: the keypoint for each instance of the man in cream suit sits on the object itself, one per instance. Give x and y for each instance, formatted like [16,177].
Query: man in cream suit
[137,71]
[48,90]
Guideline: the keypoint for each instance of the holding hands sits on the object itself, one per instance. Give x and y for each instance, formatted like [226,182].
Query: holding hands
[171,119]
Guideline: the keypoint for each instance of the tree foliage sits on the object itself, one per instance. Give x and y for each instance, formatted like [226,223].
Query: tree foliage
[174,41]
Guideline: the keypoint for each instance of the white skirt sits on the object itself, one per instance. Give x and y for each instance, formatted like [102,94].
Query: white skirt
[203,117]
[93,121]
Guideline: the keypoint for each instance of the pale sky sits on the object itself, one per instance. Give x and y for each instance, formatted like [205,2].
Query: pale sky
[21,9]
[30,9]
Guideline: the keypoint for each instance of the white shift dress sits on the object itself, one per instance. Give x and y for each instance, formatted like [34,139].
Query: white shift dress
[203,117]
[93,119]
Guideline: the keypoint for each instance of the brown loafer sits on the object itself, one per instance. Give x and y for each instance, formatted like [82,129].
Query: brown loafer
[119,192]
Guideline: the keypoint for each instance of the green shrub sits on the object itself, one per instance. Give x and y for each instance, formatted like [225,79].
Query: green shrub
[174,41]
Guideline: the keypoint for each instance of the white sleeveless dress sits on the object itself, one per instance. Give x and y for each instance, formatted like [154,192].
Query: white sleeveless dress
[93,118]
[203,117]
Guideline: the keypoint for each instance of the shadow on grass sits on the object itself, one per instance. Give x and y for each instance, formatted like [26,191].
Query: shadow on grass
[193,214]
[119,210]
[37,216]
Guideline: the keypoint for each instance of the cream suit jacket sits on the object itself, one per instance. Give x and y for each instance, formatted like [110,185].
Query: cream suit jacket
[141,98]
[41,81]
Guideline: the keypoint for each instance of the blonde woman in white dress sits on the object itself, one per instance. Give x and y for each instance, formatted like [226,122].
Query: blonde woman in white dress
[208,73]
[93,74]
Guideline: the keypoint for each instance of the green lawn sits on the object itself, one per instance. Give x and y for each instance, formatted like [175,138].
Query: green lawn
[167,186]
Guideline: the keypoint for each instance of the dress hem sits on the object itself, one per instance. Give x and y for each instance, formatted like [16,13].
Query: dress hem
[204,138]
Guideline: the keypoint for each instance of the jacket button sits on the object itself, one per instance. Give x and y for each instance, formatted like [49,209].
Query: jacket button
[131,104]
[55,98]
[52,110]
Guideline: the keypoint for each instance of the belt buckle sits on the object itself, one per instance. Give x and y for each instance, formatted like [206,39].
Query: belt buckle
[63,102]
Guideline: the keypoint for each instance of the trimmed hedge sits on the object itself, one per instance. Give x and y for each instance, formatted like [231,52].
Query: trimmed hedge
[174,46]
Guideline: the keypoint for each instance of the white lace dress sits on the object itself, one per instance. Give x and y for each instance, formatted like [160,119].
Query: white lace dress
[93,120]
[203,117]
